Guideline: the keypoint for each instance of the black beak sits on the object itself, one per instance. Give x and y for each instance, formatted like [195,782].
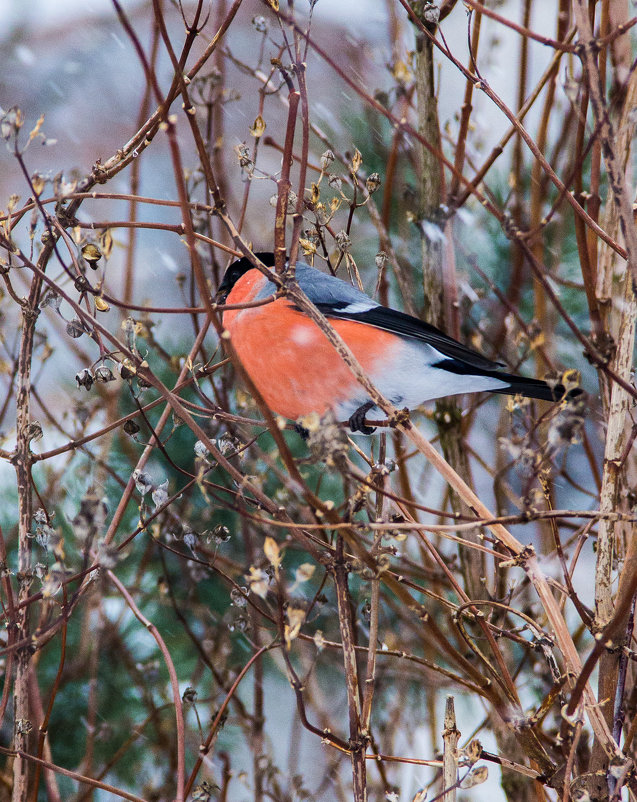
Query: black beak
[222,293]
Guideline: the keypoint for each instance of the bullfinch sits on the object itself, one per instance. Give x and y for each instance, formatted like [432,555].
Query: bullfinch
[298,371]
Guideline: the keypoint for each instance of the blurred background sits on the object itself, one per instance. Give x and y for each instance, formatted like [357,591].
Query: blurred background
[75,64]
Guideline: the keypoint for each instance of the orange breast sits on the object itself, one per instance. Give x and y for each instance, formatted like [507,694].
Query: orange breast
[291,361]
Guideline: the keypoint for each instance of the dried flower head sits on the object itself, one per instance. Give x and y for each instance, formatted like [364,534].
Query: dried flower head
[85,379]
[566,426]
[326,439]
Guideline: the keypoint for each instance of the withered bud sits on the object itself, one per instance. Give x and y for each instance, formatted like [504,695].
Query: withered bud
[84,379]
[189,696]
[39,516]
[91,254]
[260,24]
[130,427]
[238,597]
[373,183]
[326,159]
[431,13]
[571,88]
[191,538]
[381,260]
[46,536]
[11,122]
[34,431]
[343,241]
[366,611]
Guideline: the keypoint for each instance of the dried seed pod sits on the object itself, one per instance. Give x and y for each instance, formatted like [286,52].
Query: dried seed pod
[130,427]
[75,328]
[85,379]
[91,254]
[104,374]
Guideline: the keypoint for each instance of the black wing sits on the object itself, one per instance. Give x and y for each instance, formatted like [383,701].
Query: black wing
[382,317]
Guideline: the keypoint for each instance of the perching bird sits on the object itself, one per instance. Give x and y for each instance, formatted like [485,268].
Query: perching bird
[298,371]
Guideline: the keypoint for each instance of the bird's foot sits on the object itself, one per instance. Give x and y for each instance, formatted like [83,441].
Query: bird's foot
[357,419]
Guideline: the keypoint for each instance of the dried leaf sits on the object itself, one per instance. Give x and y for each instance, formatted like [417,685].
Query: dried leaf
[402,73]
[471,753]
[38,182]
[571,379]
[304,572]
[258,581]
[74,328]
[295,617]
[36,129]
[309,248]
[143,482]
[538,340]
[160,495]
[106,243]
[272,552]
[357,160]
[53,580]
[258,127]
[475,777]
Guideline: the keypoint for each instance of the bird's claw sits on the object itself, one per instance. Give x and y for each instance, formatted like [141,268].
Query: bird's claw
[357,419]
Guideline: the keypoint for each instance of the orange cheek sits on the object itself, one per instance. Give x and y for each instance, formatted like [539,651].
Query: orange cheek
[293,365]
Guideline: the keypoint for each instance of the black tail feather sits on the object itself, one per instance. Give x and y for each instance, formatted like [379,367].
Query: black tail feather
[529,388]
[518,385]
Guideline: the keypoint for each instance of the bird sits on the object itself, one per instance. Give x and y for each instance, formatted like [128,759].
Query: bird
[297,371]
